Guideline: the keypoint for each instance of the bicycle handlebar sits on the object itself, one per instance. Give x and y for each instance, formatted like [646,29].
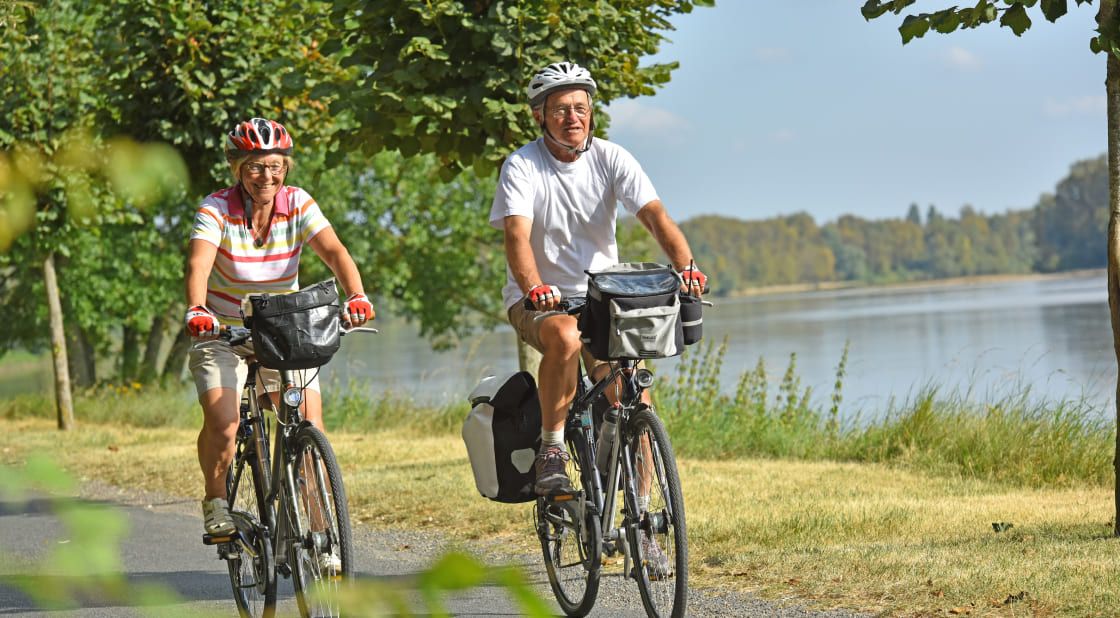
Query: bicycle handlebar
[573,305]
[237,335]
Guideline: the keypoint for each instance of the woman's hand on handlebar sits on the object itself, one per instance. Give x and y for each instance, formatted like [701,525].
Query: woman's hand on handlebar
[201,322]
[357,310]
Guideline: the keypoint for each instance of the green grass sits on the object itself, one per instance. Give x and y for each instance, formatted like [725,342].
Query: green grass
[784,500]
[820,533]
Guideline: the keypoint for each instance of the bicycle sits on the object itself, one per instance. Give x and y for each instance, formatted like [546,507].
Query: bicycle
[289,508]
[576,530]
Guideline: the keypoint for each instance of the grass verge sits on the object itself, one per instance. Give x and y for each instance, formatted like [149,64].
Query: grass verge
[828,534]
[942,506]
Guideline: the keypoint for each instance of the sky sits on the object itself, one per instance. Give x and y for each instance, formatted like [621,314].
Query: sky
[783,106]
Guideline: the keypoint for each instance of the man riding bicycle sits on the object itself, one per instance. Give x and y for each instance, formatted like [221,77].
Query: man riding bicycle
[556,201]
[247,239]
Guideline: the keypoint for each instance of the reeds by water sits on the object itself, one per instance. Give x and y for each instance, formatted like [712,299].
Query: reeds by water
[1009,439]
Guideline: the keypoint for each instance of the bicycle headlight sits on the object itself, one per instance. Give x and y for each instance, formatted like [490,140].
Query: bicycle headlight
[644,378]
[293,396]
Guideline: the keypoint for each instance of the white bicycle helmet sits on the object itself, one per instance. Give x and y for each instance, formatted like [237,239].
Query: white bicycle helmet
[558,75]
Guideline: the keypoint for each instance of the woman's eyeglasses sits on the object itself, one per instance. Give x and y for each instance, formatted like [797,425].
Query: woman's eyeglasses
[257,169]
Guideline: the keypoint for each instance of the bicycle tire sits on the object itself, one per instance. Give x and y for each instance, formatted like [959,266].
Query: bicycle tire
[253,579]
[573,568]
[320,502]
[664,590]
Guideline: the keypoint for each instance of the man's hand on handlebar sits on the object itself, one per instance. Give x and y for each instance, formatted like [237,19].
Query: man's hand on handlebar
[695,282]
[544,297]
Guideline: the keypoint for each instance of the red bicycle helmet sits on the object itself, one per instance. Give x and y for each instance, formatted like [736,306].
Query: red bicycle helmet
[259,136]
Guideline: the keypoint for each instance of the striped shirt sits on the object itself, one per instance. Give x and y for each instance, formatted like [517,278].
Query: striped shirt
[242,268]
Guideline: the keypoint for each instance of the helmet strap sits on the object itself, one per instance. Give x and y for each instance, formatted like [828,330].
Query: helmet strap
[571,149]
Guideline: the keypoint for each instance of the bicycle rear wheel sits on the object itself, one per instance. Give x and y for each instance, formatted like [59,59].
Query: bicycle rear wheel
[572,540]
[252,572]
[660,543]
[322,555]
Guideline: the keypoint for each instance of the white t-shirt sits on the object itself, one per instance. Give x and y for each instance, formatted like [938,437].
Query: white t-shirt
[572,207]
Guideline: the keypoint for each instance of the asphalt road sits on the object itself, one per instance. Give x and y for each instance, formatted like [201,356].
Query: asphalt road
[163,546]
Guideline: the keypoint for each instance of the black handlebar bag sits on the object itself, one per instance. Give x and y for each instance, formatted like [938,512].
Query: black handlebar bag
[633,312]
[299,330]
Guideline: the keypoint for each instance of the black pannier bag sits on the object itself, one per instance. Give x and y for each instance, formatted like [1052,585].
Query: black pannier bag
[299,330]
[502,433]
[633,312]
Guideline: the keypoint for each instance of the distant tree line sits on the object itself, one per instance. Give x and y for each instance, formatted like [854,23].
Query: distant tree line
[1063,231]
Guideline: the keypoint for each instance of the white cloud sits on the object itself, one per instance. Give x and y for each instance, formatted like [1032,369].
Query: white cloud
[773,55]
[646,120]
[1088,105]
[961,58]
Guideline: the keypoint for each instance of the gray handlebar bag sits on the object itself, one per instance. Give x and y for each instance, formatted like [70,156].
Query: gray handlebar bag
[633,312]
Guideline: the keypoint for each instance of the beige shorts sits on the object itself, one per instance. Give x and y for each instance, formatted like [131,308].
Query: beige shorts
[527,324]
[214,364]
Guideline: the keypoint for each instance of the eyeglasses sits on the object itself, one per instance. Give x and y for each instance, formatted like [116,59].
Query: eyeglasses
[257,169]
[562,112]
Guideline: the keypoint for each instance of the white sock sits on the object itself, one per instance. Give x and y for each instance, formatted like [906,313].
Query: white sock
[552,438]
[643,503]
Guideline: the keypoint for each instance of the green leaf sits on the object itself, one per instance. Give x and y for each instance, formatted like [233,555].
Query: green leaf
[874,8]
[1015,17]
[946,21]
[293,80]
[913,27]
[1053,9]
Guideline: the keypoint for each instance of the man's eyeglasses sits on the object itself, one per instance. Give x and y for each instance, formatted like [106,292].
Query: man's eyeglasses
[257,169]
[562,112]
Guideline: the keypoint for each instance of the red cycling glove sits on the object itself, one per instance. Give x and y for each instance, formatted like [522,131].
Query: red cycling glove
[357,309]
[201,322]
[542,293]
[693,278]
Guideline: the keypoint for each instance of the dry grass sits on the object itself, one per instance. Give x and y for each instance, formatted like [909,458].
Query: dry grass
[835,535]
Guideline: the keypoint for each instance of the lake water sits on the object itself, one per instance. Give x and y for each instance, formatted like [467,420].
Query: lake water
[1051,334]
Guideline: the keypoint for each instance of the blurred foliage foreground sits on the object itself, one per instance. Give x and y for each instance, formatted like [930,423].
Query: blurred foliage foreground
[86,564]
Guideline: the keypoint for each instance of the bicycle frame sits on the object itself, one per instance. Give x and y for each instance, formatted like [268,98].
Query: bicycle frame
[580,419]
[282,515]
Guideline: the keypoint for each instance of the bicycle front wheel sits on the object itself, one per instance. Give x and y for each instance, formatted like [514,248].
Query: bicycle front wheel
[322,554]
[252,572]
[572,538]
[660,542]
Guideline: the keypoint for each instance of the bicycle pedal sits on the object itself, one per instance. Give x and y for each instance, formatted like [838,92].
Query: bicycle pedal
[564,497]
[218,539]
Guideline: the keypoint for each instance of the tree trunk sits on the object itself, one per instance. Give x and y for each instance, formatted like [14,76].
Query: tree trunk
[82,360]
[1112,95]
[176,358]
[64,404]
[130,353]
[149,366]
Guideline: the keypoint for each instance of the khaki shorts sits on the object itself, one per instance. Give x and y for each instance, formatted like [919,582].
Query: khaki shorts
[527,324]
[214,364]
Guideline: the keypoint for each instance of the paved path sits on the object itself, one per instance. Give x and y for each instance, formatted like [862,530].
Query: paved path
[164,547]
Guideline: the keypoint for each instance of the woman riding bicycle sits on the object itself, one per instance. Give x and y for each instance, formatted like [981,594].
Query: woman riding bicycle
[247,239]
